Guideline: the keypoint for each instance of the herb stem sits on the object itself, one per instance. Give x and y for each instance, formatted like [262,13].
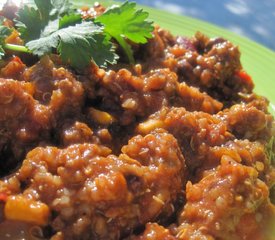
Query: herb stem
[17,48]
[126,47]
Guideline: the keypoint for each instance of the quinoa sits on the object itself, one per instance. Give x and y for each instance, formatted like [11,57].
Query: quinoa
[173,147]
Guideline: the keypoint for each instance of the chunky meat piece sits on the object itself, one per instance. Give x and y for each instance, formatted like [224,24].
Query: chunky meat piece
[41,75]
[26,117]
[14,69]
[248,122]
[195,131]
[248,153]
[164,171]
[254,154]
[23,122]
[207,128]
[139,96]
[223,201]
[16,99]
[91,194]
[204,138]
[212,65]
[73,132]
[56,88]
[193,100]
[151,55]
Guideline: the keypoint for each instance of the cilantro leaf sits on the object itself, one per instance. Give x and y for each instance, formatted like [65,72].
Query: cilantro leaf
[43,45]
[126,22]
[50,28]
[103,50]
[32,21]
[44,7]
[69,20]
[77,45]
[68,54]
[54,26]
[74,46]
[61,8]
[29,23]
[4,32]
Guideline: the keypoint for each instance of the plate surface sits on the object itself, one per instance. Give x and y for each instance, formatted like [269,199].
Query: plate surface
[256,59]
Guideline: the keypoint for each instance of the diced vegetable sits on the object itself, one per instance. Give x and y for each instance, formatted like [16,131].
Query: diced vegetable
[101,117]
[149,125]
[245,76]
[3,197]
[22,209]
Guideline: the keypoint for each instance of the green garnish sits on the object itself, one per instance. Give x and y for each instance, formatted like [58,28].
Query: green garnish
[54,26]
[32,21]
[4,32]
[75,44]
[126,22]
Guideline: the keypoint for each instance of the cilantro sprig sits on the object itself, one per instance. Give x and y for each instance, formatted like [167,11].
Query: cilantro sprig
[33,20]
[54,26]
[125,22]
[4,32]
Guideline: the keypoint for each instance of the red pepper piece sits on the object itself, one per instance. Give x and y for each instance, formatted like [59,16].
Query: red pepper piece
[245,76]
[3,197]
[17,59]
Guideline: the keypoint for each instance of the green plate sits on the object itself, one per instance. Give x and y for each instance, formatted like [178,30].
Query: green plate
[256,59]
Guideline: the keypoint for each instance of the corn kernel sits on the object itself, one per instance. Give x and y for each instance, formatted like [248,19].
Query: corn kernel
[22,209]
[101,117]
[149,125]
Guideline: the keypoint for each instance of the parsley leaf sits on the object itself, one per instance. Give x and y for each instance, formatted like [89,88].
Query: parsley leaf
[4,32]
[126,22]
